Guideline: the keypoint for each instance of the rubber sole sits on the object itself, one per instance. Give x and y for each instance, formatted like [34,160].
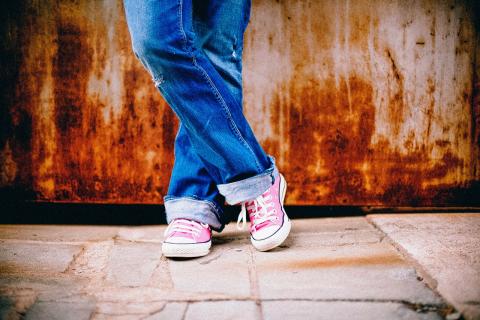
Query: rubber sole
[280,235]
[186,250]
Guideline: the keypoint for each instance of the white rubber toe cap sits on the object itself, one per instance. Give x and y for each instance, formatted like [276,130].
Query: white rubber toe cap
[275,239]
[265,232]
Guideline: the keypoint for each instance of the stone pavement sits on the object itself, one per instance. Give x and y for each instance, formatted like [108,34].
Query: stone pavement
[445,249]
[329,268]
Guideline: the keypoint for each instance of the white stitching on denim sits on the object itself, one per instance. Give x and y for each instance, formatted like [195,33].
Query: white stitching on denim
[219,98]
[180,24]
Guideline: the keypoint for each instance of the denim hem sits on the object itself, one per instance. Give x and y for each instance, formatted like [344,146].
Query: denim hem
[192,207]
[249,188]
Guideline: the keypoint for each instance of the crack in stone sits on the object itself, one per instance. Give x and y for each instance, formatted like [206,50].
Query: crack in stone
[70,267]
[253,299]
[119,239]
[184,315]
[422,274]
[155,311]
[162,272]
[443,309]
[211,259]
[123,314]
[253,276]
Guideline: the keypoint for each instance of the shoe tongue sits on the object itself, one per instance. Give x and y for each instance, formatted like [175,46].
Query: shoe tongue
[182,234]
[185,234]
[189,223]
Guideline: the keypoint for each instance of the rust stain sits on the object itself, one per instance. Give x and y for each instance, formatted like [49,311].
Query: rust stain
[15,117]
[70,99]
[102,153]
[344,262]
[9,268]
[332,155]
[396,104]
[340,145]
[338,111]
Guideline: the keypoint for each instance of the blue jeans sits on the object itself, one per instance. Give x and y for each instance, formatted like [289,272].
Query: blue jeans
[193,51]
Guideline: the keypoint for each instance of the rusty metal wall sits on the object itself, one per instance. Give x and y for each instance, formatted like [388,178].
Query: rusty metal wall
[361,102]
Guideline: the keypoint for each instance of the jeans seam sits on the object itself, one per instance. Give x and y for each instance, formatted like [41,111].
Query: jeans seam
[215,208]
[217,94]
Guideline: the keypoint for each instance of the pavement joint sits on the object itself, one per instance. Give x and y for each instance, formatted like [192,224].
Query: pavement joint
[212,258]
[421,272]
[71,266]
[254,287]
[159,310]
[443,249]
[118,239]
[184,315]
[435,305]
[161,274]
[91,262]
[45,242]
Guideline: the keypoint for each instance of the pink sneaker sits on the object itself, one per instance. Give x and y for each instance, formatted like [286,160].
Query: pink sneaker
[269,223]
[187,238]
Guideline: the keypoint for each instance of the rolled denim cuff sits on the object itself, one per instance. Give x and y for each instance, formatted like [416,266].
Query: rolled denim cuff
[249,188]
[189,207]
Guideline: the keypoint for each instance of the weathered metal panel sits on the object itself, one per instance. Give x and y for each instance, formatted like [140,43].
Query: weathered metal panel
[361,102]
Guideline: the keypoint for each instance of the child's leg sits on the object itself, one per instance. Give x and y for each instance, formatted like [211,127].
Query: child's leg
[219,27]
[163,39]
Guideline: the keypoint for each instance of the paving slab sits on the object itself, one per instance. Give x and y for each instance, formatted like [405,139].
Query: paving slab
[326,266]
[143,233]
[327,225]
[220,310]
[329,239]
[36,257]
[52,310]
[92,261]
[57,233]
[42,298]
[343,310]
[132,264]
[445,248]
[132,308]
[224,271]
[363,271]
[171,311]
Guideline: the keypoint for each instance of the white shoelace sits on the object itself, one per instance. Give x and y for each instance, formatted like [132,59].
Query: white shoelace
[257,216]
[187,226]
